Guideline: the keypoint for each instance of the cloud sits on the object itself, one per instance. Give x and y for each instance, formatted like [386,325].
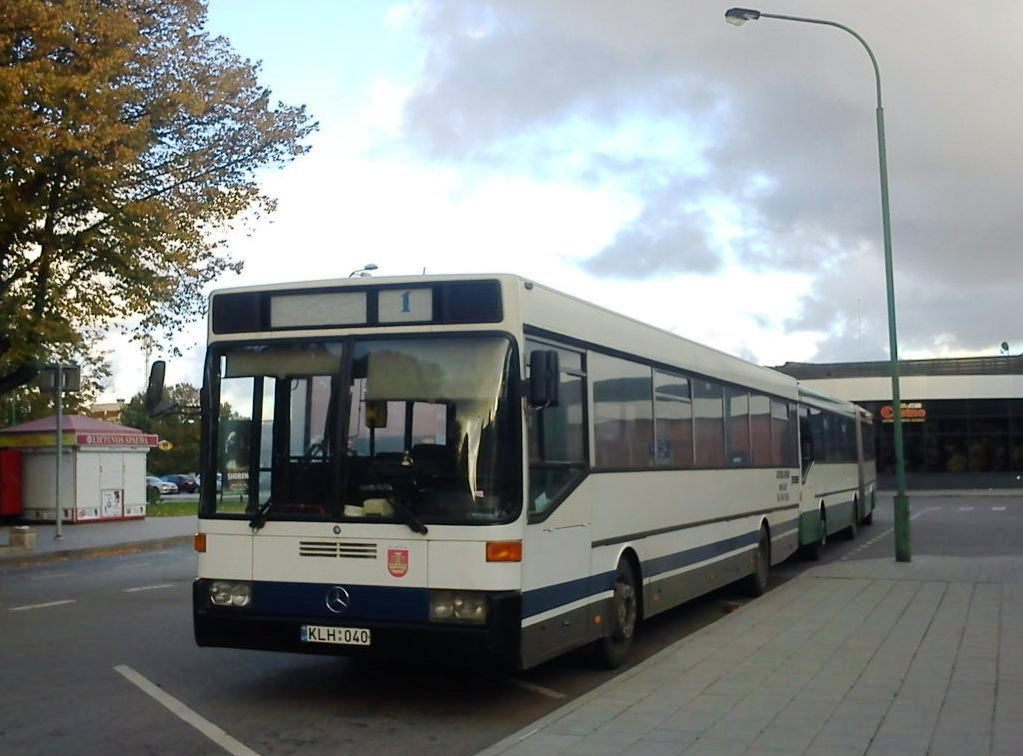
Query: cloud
[668,236]
[760,146]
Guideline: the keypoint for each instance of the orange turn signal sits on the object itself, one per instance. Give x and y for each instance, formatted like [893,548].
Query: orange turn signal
[200,543]
[504,551]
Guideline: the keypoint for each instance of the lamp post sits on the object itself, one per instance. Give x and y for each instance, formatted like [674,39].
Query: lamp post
[739,16]
[362,272]
[60,378]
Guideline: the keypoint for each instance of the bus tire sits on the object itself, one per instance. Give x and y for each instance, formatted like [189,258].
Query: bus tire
[813,551]
[755,584]
[849,533]
[868,519]
[613,649]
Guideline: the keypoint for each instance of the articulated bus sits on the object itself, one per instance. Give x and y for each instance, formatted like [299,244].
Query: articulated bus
[451,466]
[838,469]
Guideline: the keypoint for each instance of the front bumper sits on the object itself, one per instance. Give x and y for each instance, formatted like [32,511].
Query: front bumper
[495,642]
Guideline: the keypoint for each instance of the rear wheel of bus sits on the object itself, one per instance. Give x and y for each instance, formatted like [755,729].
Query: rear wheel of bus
[813,551]
[755,584]
[850,532]
[613,649]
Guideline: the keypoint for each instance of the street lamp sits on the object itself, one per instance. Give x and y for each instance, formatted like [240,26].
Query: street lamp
[739,16]
[60,379]
[362,272]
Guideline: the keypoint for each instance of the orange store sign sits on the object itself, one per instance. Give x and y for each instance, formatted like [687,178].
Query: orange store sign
[912,412]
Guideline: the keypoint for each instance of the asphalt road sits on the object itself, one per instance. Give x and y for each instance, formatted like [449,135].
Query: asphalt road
[81,642]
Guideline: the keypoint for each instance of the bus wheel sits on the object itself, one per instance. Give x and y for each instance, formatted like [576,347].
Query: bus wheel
[613,649]
[814,550]
[850,532]
[868,519]
[755,583]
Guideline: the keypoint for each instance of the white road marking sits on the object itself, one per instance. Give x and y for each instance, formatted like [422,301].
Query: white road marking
[51,575]
[877,538]
[184,713]
[997,509]
[537,688]
[147,588]
[965,509]
[40,606]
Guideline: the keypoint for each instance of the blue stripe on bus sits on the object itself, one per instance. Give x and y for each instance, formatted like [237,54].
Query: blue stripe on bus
[366,602]
[653,567]
[551,597]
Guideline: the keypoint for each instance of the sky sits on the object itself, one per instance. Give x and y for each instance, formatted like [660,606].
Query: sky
[719,182]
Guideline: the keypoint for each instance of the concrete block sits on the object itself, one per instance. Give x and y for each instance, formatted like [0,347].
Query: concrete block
[23,537]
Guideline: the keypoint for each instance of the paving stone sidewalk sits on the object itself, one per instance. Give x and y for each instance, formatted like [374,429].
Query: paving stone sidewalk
[858,657]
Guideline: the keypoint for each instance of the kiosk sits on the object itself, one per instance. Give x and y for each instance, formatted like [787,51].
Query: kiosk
[103,470]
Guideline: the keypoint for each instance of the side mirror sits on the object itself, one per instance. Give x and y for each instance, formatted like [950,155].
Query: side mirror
[544,378]
[154,391]
[154,402]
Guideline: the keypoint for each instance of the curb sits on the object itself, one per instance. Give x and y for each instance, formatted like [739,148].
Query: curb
[27,558]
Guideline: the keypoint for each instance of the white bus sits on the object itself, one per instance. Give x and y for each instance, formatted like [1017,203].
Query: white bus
[449,466]
[838,469]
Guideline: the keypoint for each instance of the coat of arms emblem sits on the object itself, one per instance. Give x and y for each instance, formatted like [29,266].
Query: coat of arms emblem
[397,562]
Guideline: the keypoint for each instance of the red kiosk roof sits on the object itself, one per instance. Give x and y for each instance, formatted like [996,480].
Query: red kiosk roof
[71,424]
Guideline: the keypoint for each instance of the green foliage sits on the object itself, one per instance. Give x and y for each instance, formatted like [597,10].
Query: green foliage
[181,429]
[27,403]
[129,144]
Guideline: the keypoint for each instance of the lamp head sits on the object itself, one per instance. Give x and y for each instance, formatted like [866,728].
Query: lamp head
[362,272]
[739,16]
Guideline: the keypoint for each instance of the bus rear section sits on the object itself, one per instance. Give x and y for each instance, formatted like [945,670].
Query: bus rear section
[837,467]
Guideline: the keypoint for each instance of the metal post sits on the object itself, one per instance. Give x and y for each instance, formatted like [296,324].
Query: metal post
[58,387]
[901,505]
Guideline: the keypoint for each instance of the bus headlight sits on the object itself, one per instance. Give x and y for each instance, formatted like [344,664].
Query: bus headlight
[230,593]
[458,606]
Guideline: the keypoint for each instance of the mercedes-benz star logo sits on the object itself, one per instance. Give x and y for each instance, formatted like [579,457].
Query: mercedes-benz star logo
[338,599]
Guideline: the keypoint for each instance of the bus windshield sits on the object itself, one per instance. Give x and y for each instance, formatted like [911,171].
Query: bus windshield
[413,429]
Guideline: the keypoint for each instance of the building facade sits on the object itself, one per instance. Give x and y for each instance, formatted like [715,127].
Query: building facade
[962,417]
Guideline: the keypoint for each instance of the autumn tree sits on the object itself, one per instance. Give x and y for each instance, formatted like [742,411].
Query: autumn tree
[130,140]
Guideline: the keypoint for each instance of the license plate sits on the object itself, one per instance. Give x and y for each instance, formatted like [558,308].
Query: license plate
[343,636]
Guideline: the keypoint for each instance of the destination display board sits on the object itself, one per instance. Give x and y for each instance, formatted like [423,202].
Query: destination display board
[358,305]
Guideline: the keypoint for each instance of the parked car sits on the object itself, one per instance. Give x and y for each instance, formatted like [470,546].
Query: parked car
[186,482]
[161,485]
[220,481]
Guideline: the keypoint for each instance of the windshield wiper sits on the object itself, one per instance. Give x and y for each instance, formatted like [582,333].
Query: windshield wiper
[259,519]
[415,524]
